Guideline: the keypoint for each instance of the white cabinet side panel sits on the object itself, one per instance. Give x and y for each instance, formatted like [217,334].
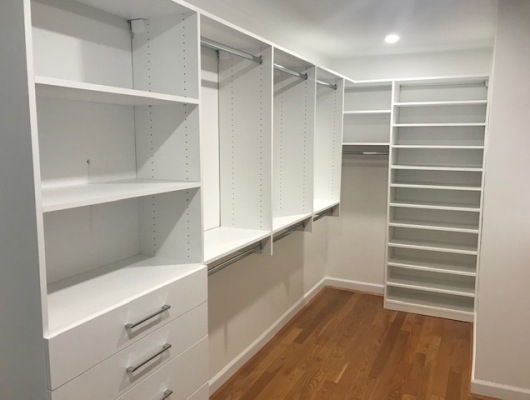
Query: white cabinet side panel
[245,90]
[210,138]
[22,364]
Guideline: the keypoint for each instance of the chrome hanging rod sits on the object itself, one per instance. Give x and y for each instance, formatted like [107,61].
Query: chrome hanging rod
[330,85]
[218,46]
[222,265]
[290,71]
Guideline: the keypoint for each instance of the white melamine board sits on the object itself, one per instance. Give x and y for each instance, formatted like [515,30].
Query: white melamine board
[367,128]
[435,246]
[79,43]
[433,206]
[71,90]
[294,117]
[437,147]
[439,157]
[425,196]
[222,241]
[22,364]
[427,167]
[245,136]
[435,301]
[435,186]
[209,111]
[166,55]
[456,264]
[134,9]
[432,281]
[229,36]
[443,91]
[475,113]
[328,141]
[367,98]
[320,205]
[439,136]
[167,142]
[75,300]
[367,112]
[286,221]
[61,198]
[440,103]
[439,124]
[448,179]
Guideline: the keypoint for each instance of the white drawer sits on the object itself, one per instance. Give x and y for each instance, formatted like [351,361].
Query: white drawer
[185,378]
[111,378]
[76,350]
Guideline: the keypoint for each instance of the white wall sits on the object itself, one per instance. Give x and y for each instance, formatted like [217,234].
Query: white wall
[503,312]
[448,63]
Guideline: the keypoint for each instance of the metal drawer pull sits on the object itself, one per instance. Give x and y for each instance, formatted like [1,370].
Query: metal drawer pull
[165,348]
[166,394]
[132,326]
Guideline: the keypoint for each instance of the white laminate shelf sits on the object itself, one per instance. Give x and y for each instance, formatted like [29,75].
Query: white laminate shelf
[434,206]
[441,103]
[222,241]
[452,287]
[284,222]
[320,205]
[451,304]
[433,246]
[81,91]
[75,300]
[368,112]
[434,125]
[429,266]
[458,168]
[385,144]
[437,147]
[436,186]
[63,198]
[432,226]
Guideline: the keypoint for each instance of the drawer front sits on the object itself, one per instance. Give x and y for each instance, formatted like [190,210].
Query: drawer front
[76,350]
[114,376]
[185,378]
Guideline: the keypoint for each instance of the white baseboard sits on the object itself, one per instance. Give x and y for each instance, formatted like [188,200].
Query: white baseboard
[355,285]
[505,392]
[231,368]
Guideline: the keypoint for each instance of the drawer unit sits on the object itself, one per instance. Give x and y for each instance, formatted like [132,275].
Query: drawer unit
[180,379]
[76,350]
[119,373]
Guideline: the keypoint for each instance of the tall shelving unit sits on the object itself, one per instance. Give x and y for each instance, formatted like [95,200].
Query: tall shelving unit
[328,140]
[436,179]
[237,138]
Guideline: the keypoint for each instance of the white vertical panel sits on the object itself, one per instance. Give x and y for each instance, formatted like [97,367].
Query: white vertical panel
[245,90]
[22,364]
[165,55]
[209,111]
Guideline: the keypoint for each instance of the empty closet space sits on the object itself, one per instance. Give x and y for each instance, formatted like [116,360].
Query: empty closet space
[435,197]
[293,138]
[328,140]
[236,137]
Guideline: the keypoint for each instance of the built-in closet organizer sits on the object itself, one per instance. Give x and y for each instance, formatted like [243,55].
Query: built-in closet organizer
[124,289]
[236,135]
[435,199]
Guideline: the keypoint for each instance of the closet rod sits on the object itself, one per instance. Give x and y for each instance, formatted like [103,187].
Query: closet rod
[216,268]
[218,46]
[330,85]
[290,230]
[290,71]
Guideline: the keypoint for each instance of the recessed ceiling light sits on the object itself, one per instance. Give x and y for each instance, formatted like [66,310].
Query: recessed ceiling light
[391,38]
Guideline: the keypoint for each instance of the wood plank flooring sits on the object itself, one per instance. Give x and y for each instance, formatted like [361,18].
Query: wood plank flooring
[344,345]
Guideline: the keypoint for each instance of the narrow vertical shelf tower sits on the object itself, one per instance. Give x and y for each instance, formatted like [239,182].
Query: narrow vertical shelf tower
[436,179]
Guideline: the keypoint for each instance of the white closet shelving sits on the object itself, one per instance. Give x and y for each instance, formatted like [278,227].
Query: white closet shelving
[237,141]
[328,141]
[293,137]
[367,111]
[434,219]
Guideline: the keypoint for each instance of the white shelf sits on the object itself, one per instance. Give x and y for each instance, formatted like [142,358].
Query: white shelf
[75,300]
[434,125]
[438,226]
[320,205]
[368,112]
[433,267]
[441,103]
[62,198]
[437,147]
[281,223]
[433,285]
[71,90]
[425,245]
[223,241]
[366,144]
[439,168]
[451,307]
[434,206]
[436,187]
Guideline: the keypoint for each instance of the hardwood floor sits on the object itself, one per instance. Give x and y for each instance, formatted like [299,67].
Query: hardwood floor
[344,345]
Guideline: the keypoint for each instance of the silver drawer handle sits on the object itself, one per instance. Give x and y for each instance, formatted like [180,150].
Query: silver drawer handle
[166,394]
[132,326]
[165,348]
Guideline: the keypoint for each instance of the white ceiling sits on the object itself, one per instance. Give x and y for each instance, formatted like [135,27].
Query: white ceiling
[338,29]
